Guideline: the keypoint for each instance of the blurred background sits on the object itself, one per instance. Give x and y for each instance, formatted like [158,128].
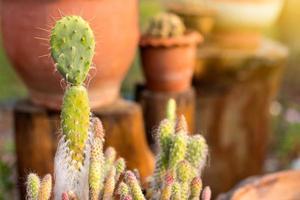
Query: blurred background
[284,151]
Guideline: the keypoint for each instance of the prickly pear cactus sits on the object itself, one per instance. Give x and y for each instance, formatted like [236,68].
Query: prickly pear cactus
[165,25]
[72,48]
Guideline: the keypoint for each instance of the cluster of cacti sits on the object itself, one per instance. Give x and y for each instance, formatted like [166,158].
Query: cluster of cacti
[82,170]
[179,162]
[165,25]
[39,189]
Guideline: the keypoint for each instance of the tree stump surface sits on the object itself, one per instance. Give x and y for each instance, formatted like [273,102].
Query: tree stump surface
[154,109]
[37,134]
[234,91]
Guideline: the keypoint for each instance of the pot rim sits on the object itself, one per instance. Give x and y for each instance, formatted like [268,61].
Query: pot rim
[189,38]
[264,180]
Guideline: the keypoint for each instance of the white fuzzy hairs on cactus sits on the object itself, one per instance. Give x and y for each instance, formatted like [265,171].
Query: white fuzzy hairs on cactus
[67,176]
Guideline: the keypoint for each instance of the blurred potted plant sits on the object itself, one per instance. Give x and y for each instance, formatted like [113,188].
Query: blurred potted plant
[240,23]
[25,27]
[168,53]
[196,14]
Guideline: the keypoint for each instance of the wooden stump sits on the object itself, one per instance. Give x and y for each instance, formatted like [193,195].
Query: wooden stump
[124,128]
[234,90]
[154,108]
[36,135]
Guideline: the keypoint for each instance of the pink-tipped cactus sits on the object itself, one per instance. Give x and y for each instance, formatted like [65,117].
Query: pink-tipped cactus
[134,186]
[206,194]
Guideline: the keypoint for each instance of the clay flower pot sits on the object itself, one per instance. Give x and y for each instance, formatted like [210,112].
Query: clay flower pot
[168,63]
[282,185]
[239,22]
[26,26]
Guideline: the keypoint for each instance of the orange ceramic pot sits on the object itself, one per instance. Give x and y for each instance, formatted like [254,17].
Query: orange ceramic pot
[281,185]
[26,25]
[168,63]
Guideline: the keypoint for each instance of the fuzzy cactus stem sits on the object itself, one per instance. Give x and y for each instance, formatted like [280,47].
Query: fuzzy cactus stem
[33,186]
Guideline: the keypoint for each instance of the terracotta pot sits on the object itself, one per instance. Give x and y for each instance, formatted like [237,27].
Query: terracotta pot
[26,26]
[282,185]
[168,63]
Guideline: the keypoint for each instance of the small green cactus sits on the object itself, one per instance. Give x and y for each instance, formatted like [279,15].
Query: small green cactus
[123,190]
[96,162]
[72,48]
[178,149]
[176,192]
[134,186]
[196,187]
[110,184]
[33,186]
[165,25]
[197,151]
[167,187]
[171,110]
[120,167]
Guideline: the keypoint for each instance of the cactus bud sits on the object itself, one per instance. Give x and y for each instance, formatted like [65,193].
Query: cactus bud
[33,186]
[123,190]
[178,149]
[181,125]
[196,187]
[206,194]
[171,110]
[184,171]
[45,188]
[110,157]
[98,129]
[167,188]
[109,185]
[96,168]
[176,192]
[197,151]
[120,167]
[65,196]
[68,196]
[134,186]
